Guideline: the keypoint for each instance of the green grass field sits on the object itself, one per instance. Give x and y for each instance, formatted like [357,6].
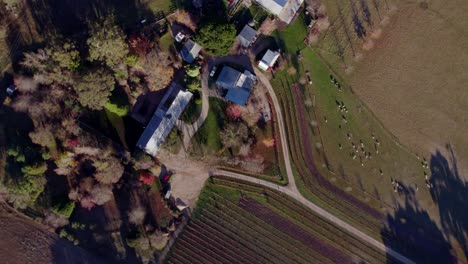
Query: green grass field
[367,179]
[207,140]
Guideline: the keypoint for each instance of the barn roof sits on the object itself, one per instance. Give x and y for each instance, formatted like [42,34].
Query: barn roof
[163,120]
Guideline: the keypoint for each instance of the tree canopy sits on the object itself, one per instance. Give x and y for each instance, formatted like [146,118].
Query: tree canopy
[107,43]
[216,39]
[95,88]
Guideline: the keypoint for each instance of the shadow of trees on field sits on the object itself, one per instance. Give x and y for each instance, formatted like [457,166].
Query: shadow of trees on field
[411,230]
[450,193]
[412,233]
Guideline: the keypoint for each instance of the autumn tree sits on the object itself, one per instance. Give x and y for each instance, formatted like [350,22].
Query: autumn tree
[95,88]
[234,134]
[216,39]
[108,170]
[233,111]
[107,43]
[158,70]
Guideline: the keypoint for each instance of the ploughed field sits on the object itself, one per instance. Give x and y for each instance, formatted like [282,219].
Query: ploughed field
[237,222]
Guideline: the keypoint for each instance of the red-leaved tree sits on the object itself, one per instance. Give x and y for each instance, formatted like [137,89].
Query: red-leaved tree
[233,111]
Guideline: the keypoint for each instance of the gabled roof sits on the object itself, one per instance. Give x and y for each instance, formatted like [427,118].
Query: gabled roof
[238,84]
[273,6]
[163,121]
[268,60]
[228,77]
[247,36]
[190,51]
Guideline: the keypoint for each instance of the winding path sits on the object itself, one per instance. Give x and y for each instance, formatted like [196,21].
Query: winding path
[291,188]
[189,130]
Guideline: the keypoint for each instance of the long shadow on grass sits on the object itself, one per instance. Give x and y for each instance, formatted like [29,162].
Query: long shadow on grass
[412,233]
[450,193]
[411,230]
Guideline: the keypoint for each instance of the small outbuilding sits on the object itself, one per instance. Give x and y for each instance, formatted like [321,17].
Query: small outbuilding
[247,36]
[190,51]
[11,90]
[268,60]
[238,84]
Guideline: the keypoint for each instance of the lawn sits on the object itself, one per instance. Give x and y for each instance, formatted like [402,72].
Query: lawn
[367,179]
[165,6]
[193,110]
[207,137]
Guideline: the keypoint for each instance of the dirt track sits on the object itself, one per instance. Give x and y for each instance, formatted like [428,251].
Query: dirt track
[415,77]
[25,241]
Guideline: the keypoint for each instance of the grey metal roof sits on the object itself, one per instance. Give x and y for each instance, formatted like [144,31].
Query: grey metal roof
[247,36]
[190,51]
[163,121]
[273,6]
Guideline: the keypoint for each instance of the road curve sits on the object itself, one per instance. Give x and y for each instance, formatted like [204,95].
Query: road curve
[188,130]
[291,188]
[279,117]
[318,210]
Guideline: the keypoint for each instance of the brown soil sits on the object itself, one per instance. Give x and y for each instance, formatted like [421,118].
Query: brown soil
[189,176]
[293,230]
[415,78]
[24,241]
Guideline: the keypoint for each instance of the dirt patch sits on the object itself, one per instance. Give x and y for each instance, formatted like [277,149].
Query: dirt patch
[415,79]
[189,176]
[24,241]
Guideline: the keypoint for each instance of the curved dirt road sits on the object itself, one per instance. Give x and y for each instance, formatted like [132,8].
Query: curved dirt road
[189,130]
[291,188]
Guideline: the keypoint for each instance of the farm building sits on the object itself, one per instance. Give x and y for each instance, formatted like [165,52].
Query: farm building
[11,90]
[238,84]
[268,60]
[190,51]
[164,119]
[284,9]
[247,36]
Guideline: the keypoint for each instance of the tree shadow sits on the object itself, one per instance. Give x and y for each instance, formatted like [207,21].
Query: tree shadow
[450,192]
[71,17]
[411,232]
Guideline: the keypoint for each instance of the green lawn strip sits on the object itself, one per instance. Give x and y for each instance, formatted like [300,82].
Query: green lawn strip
[165,42]
[160,5]
[119,126]
[270,178]
[208,134]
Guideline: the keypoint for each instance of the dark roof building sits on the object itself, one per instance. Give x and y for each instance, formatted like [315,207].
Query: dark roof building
[238,84]
[190,51]
[164,118]
[247,36]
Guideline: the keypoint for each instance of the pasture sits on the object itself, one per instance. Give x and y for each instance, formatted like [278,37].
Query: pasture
[339,146]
